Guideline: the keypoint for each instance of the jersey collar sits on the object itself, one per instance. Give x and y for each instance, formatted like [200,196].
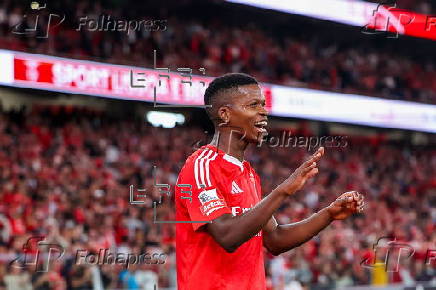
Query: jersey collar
[234,160]
[228,157]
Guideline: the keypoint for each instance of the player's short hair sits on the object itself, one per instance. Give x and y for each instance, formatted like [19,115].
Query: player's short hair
[214,93]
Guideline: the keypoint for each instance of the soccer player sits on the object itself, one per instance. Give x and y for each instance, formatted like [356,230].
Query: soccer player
[224,223]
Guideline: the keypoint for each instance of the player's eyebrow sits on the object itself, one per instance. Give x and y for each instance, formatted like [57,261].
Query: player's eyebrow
[257,99]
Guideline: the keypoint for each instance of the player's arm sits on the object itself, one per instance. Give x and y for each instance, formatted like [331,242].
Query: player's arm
[231,232]
[281,238]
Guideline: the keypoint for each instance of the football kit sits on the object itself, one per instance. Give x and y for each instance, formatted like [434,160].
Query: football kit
[219,184]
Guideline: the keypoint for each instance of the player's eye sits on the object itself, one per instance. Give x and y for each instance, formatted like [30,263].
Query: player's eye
[258,105]
[254,105]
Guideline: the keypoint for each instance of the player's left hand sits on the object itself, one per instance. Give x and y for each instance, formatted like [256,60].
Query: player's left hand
[345,205]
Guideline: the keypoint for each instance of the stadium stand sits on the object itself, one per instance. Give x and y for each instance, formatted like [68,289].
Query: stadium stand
[65,173]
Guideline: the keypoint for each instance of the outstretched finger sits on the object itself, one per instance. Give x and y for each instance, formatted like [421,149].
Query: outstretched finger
[318,154]
[315,157]
[309,168]
[321,150]
[312,173]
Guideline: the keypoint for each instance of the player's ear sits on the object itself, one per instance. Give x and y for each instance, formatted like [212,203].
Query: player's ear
[224,115]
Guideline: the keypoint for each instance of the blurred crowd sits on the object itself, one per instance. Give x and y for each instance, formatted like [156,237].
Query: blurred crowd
[66,175]
[303,58]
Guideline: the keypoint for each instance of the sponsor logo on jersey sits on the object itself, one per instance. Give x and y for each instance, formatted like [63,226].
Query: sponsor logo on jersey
[212,206]
[208,195]
[237,210]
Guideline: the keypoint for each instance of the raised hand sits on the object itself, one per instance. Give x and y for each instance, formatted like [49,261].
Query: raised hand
[345,205]
[307,170]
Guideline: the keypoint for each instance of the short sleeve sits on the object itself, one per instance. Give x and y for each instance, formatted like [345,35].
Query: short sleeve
[208,195]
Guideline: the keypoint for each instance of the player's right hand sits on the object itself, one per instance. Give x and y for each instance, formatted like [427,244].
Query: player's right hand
[307,170]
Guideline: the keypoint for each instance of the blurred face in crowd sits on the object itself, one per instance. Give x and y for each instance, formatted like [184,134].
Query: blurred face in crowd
[246,114]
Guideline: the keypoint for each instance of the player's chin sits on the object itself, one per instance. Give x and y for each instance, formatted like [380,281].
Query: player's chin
[257,137]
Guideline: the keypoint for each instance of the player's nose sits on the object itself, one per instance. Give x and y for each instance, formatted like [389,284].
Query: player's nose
[263,112]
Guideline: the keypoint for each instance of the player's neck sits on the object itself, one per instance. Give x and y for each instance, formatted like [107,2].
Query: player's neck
[231,144]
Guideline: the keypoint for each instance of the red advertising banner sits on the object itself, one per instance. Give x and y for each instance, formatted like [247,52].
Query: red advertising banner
[400,21]
[182,89]
[83,77]
[115,81]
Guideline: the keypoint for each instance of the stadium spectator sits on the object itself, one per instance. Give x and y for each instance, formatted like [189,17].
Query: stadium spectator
[73,188]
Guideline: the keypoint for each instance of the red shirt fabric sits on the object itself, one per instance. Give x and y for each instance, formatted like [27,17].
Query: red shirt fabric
[220,184]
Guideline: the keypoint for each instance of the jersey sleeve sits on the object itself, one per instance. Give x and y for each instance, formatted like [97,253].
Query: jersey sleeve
[208,194]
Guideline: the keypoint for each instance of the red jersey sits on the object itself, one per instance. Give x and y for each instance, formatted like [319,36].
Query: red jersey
[220,184]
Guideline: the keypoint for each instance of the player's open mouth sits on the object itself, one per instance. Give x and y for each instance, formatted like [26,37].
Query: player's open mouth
[261,126]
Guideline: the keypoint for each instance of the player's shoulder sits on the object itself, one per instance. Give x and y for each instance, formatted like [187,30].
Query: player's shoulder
[210,160]
[200,166]
[204,157]
[206,153]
